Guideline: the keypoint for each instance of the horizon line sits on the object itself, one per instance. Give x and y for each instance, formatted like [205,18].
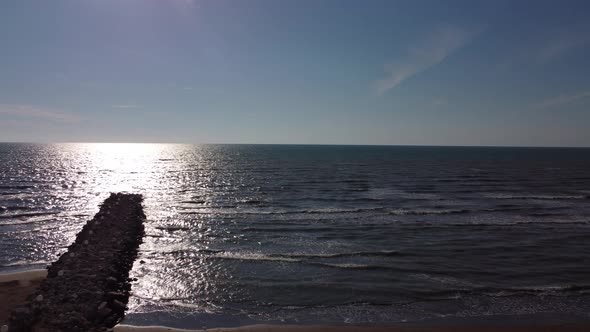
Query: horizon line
[315,144]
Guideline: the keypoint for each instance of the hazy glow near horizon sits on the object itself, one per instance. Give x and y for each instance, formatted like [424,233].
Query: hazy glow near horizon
[122,164]
[301,71]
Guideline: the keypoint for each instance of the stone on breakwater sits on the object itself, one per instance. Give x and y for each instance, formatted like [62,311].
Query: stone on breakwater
[92,296]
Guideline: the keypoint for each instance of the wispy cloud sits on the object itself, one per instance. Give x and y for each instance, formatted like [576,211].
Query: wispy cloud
[183,4]
[561,42]
[564,99]
[126,106]
[544,45]
[40,113]
[440,102]
[441,43]
[557,48]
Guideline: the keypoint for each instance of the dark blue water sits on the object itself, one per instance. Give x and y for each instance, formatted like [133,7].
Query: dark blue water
[240,234]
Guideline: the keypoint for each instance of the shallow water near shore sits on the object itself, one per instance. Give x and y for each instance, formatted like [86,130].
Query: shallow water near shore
[244,234]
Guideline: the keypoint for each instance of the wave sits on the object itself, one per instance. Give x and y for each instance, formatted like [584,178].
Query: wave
[294,228]
[23,222]
[304,258]
[503,223]
[401,212]
[232,210]
[380,253]
[499,208]
[546,214]
[534,290]
[508,207]
[536,197]
[439,210]
[14,208]
[210,251]
[251,201]
[253,257]
[2,187]
[353,266]
[348,200]
[193,202]
[187,251]
[237,211]
[330,210]
[172,228]
[469,289]
[421,196]
[338,210]
[25,215]
[15,196]
[447,280]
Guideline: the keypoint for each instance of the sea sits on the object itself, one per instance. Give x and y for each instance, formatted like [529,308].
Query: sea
[312,234]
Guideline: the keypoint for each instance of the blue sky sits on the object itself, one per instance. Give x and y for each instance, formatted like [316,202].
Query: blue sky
[301,71]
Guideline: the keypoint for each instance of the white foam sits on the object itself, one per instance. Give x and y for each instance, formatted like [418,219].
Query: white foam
[346,265]
[254,257]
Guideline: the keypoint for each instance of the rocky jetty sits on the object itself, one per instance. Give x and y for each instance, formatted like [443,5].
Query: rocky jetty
[87,288]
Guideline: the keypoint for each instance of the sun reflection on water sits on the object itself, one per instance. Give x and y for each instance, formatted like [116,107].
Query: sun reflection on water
[169,267]
[127,167]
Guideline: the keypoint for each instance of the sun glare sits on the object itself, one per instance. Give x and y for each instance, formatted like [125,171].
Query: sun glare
[123,167]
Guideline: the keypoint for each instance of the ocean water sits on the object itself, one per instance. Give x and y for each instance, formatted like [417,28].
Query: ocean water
[243,234]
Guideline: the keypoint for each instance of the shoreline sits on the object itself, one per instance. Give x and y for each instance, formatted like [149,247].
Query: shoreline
[21,284]
[573,327]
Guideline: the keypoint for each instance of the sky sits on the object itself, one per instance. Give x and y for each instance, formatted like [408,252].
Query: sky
[296,72]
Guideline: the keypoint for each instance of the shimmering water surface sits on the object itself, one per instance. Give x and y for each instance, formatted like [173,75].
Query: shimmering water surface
[239,234]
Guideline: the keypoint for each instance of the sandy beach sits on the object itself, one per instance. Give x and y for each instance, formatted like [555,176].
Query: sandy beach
[15,287]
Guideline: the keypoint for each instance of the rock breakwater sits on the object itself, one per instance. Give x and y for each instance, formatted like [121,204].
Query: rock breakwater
[87,288]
